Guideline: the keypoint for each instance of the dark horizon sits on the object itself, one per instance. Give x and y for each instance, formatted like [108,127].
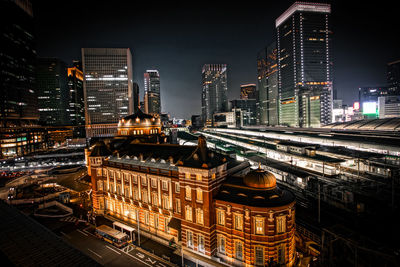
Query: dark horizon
[364,41]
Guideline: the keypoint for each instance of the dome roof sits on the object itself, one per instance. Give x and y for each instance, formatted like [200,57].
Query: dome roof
[139,114]
[260,178]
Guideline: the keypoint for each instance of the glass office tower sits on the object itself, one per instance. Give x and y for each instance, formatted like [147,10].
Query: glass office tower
[108,88]
[152,99]
[393,77]
[267,86]
[76,102]
[214,92]
[18,98]
[304,65]
[53,91]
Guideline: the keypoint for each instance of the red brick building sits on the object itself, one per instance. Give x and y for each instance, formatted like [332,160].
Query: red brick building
[189,195]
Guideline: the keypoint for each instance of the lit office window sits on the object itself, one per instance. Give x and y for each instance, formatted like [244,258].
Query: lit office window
[188,213]
[199,216]
[188,193]
[199,195]
[238,221]
[280,224]
[220,217]
[259,225]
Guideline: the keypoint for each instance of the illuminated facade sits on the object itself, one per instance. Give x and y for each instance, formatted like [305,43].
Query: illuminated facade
[20,141]
[178,193]
[250,212]
[368,98]
[76,103]
[53,93]
[146,128]
[107,87]
[214,91]
[18,101]
[152,99]
[393,76]
[304,65]
[267,68]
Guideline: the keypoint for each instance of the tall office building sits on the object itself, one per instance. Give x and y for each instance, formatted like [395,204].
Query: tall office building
[248,110]
[76,104]
[393,76]
[248,91]
[304,65]
[18,98]
[108,89]
[136,100]
[214,92]
[152,100]
[267,110]
[52,90]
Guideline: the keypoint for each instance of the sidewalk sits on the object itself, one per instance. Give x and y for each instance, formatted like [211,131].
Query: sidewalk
[160,250]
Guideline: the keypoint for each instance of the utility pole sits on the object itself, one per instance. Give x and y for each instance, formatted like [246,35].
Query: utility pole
[319,201]
[138,225]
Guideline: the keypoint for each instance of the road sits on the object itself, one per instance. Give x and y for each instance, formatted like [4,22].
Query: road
[69,180]
[105,253]
[81,236]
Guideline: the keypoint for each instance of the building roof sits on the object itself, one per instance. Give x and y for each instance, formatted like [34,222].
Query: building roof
[389,124]
[235,190]
[139,114]
[303,7]
[156,154]
[260,178]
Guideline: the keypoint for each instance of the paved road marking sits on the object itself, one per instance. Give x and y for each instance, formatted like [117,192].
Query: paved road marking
[95,253]
[130,255]
[113,250]
[64,234]
[83,233]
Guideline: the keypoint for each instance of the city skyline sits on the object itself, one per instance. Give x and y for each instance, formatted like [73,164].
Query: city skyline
[189,40]
[224,134]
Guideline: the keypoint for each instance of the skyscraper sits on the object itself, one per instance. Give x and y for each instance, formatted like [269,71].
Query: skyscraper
[304,65]
[135,95]
[152,100]
[107,88]
[76,103]
[18,98]
[52,90]
[267,86]
[393,77]
[214,92]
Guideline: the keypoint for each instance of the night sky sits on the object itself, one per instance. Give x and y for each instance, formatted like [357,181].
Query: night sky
[178,38]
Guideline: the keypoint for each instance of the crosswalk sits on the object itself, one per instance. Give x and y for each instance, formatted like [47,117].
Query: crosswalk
[71,219]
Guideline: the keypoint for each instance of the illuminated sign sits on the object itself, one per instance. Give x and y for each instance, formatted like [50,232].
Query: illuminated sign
[369,108]
[356,105]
